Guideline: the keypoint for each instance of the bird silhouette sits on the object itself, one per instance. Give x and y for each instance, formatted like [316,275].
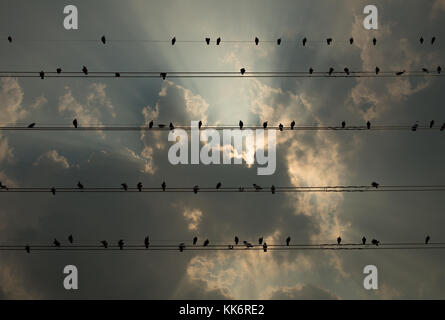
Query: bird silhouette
[442,127]
[400,73]
[236,240]
[103,39]
[292,125]
[264,124]
[206,243]
[9,39]
[199,124]
[375,185]
[351,40]
[343,124]
[331,70]
[56,243]
[150,124]
[85,70]
[59,70]
[117,74]
[364,240]
[171,126]
[79,185]
[272,189]
[242,70]
[195,189]
[208,41]
[311,71]
[163,185]
[304,41]
[248,244]
[124,186]
[347,71]
[104,243]
[287,241]
[53,191]
[257,40]
[375,242]
[146,242]
[427,239]
[257,187]
[374,41]
[264,247]
[279,41]
[260,240]
[181,247]
[70,238]
[368,125]
[28,249]
[75,123]
[173,41]
[241,124]
[280,127]
[414,127]
[377,70]
[121,244]
[31,125]
[421,40]
[163,75]
[439,69]
[431,123]
[139,186]
[218,185]
[433,39]
[425,70]
[2,186]
[195,239]
[218,41]
[329,41]
[42,75]
[338,240]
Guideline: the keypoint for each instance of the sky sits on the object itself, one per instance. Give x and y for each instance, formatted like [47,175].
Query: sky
[304,158]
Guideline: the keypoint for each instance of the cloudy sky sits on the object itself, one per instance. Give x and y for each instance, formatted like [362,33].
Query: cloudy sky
[303,158]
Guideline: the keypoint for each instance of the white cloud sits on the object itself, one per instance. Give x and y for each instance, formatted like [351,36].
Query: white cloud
[52,157]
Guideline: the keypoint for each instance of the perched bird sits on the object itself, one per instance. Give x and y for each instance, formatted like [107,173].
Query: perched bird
[257,187]
[264,124]
[421,40]
[375,242]
[292,125]
[171,126]
[287,241]
[280,126]
[199,124]
[331,70]
[260,240]
[364,240]
[117,74]
[304,41]
[329,41]
[374,41]
[163,185]
[347,71]
[257,40]
[206,243]
[85,70]
[368,125]
[9,39]
[439,69]
[343,124]
[218,185]
[433,39]
[124,186]
[195,239]
[427,239]
[264,247]
[351,40]
[139,186]
[241,124]
[59,70]
[442,127]
[377,70]
[31,125]
[311,71]
[163,75]
[56,243]
[2,186]
[272,189]
[375,185]
[53,191]
[195,189]
[208,41]
[104,243]
[236,240]
[414,127]
[42,75]
[400,73]
[242,70]
[279,41]
[173,40]
[79,185]
[338,240]
[181,247]
[75,123]
[146,242]
[121,244]
[70,238]
[425,70]
[247,244]
[431,123]
[218,41]
[150,124]
[28,249]
[103,39]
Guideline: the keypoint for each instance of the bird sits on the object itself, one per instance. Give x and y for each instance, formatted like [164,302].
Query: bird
[27,248]
[242,70]
[280,127]
[79,185]
[304,41]
[85,70]
[351,40]
[375,185]
[218,41]
[206,243]
[421,40]
[208,41]
[431,123]
[117,74]
[329,41]
[124,186]
[425,70]
[287,241]
[272,189]
[56,243]
[377,70]
[9,39]
[278,41]
[104,243]
[171,126]
[70,238]
[374,41]
[331,70]
[439,69]
[433,39]
[120,243]
[241,124]
[368,125]
[442,127]
[195,189]
[199,124]
[264,247]
[150,124]
[139,186]
[173,41]
[31,125]
[427,239]
[364,240]
[257,187]
[181,247]
[343,124]
[75,123]
[375,242]
[163,185]
[400,73]
[414,127]
[53,191]
[264,124]
[257,40]
[59,70]
[195,239]
[292,125]
[146,242]
[236,240]
[103,39]
[311,71]
[339,240]
[218,185]
[42,75]
[2,186]
[347,71]
[163,75]
[248,244]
